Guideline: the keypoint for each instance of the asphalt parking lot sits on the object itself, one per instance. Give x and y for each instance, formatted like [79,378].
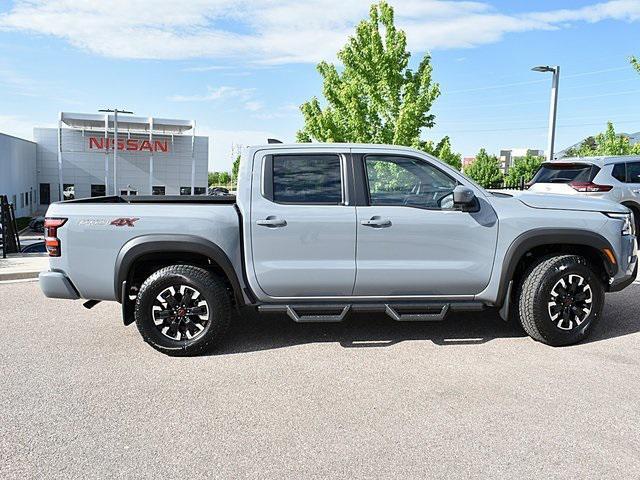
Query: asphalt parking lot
[83,397]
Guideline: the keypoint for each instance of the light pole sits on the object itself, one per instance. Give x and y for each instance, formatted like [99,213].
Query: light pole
[553,107]
[115,112]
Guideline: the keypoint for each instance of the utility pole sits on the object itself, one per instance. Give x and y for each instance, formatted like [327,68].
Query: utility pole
[115,112]
[553,107]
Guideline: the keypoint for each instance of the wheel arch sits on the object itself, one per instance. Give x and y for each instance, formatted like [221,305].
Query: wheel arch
[531,245]
[171,249]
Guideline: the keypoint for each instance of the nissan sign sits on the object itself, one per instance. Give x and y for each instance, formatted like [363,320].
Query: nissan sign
[131,144]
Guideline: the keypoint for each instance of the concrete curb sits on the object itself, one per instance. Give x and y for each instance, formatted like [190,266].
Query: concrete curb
[18,276]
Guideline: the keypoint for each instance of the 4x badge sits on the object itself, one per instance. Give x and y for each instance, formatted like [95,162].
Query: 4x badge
[124,222]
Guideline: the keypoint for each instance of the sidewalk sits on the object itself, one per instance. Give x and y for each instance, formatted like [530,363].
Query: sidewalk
[18,267]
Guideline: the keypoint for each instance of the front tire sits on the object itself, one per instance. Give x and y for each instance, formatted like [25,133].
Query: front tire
[560,300]
[183,310]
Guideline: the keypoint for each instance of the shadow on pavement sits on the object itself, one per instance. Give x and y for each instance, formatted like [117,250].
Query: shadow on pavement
[621,316]
[254,333]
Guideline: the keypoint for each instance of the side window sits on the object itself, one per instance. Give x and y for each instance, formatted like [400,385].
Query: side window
[307,179]
[408,181]
[633,172]
[619,172]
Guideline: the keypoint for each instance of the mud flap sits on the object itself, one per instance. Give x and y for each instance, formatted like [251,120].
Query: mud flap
[128,306]
[504,310]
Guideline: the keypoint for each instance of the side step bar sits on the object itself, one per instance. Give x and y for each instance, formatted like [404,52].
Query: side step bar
[318,313]
[401,312]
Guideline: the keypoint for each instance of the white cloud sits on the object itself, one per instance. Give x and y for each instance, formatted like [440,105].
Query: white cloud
[20,126]
[213,94]
[277,31]
[206,68]
[254,105]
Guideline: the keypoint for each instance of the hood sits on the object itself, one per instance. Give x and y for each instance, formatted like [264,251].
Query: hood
[550,201]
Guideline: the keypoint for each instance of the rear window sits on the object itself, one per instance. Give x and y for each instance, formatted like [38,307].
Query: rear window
[314,179]
[565,173]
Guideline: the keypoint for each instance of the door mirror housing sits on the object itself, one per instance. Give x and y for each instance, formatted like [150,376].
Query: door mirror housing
[465,199]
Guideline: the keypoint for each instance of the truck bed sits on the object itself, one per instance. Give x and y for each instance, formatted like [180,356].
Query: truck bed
[200,199]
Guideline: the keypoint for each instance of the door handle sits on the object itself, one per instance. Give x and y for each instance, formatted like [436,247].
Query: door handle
[376,222]
[272,222]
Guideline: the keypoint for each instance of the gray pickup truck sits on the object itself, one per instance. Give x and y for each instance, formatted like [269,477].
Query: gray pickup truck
[319,230]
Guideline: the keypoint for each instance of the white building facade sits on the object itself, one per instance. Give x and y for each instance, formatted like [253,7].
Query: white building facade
[18,180]
[508,156]
[154,156]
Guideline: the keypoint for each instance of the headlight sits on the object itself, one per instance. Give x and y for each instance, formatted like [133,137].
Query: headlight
[628,227]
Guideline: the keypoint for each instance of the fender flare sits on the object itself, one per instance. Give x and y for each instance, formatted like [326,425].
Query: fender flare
[549,236]
[145,244]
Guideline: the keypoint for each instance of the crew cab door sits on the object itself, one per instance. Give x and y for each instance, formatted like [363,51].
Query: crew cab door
[303,230]
[411,239]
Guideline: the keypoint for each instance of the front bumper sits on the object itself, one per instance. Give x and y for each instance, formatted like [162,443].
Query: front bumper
[627,264]
[624,281]
[57,285]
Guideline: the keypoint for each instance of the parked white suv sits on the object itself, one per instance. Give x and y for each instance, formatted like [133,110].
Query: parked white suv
[611,178]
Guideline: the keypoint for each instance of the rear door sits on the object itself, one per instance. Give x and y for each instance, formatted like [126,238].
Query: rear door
[633,180]
[303,229]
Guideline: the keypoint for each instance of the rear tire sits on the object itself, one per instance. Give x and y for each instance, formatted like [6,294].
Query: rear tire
[560,300]
[183,310]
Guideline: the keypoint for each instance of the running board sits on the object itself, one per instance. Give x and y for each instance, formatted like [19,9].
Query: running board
[401,312]
[319,313]
[432,313]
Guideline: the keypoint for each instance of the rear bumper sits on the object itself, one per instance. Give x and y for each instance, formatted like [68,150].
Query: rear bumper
[57,285]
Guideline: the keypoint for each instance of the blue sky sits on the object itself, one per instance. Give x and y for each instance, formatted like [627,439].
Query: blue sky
[241,68]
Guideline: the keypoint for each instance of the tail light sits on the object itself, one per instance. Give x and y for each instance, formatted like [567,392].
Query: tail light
[590,187]
[51,240]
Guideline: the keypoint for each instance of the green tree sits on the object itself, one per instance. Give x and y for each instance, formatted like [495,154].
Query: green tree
[214,178]
[606,143]
[635,63]
[485,170]
[523,168]
[443,152]
[375,98]
[224,178]
[235,168]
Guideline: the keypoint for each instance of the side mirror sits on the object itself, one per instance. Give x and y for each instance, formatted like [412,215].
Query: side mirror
[464,198]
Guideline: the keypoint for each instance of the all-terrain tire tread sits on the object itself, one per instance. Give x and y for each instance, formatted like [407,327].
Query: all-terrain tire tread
[531,285]
[209,282]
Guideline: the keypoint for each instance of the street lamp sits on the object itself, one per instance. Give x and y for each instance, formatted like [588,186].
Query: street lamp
[554,104]
[115,112]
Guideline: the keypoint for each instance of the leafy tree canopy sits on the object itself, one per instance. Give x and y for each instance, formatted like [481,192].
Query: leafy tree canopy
[235,168]
[606,143]
[375,98]
[485,170]
[523,168]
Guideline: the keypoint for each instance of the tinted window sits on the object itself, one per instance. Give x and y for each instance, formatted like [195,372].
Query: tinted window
[619,172]
[157,190]
[45,194]
[307,179]
[199,190]
[565,173]
[633,172]
[69,191]
[185,190]
[408,181]
[98,191]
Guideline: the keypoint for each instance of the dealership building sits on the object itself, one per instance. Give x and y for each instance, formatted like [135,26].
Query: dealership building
[82,158]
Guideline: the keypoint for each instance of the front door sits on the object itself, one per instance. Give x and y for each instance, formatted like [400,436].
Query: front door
[411,239]
[303,231]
